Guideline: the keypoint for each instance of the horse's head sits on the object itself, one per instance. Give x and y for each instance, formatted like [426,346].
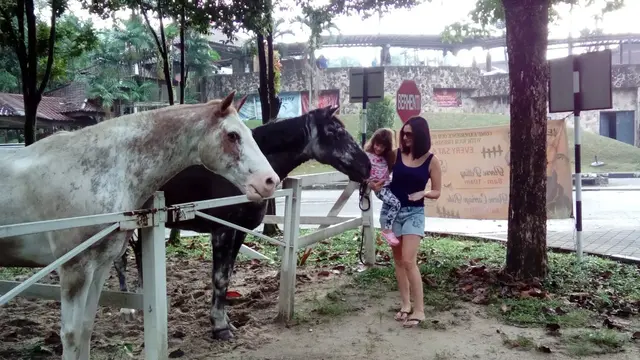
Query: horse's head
[330,143]
[228,149]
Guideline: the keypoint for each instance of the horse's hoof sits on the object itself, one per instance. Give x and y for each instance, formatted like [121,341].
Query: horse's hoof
[223,334]
[127,314]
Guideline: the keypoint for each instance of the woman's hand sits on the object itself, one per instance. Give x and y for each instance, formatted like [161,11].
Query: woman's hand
[432,194]
[416,196]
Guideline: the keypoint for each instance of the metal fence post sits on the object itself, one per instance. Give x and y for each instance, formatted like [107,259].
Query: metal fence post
[369,247]
[154,270]
[289,256]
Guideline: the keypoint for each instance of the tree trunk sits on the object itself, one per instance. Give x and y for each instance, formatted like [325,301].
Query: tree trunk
[274,101]
[30,117]
[182,51]
[267,93]
[262,89]
[527,32]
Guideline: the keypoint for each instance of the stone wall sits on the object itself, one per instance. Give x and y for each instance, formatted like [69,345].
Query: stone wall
[479,94]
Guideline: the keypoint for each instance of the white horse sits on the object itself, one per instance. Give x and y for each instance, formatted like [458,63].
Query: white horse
[114,166]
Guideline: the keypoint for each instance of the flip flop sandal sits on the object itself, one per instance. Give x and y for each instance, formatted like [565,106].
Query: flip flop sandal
[415,323]
[403,315]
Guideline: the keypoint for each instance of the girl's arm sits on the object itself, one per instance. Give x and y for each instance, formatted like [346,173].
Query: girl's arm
[436,179]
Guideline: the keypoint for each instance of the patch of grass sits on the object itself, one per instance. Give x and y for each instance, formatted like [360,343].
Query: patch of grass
[445,355]
[10,273]
[598,342]
[333,304]
[616,155]
[191,247]
[607,284]
[538,312]
[520,343]
[603,277]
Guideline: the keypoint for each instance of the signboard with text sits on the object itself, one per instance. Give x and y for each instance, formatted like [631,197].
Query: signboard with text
[408,101]
[475,173]
[447,97]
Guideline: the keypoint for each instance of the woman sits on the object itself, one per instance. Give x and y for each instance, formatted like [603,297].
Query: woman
[414,166]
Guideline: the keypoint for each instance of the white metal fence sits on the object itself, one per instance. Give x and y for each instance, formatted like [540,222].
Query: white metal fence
[152,220]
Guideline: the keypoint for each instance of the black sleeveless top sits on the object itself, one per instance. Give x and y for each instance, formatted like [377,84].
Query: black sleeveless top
[408,180]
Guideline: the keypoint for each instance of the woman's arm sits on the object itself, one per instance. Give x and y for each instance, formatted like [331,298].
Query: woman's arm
[436,179]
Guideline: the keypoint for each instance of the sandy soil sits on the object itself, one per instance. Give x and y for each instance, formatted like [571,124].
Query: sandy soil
[29,328]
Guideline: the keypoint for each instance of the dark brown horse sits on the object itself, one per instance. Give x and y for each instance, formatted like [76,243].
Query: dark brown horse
[317,135]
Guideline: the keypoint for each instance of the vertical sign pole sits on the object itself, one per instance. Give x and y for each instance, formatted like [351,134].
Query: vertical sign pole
[577,105]
[365,98]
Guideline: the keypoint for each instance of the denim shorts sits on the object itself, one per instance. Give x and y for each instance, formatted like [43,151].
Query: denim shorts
[409,221]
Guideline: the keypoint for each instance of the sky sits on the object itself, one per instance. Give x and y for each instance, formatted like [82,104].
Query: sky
[431,18]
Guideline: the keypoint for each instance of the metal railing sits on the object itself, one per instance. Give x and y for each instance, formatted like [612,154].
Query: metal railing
[151,221]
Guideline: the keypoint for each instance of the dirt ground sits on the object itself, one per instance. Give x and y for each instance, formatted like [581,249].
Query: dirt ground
[29,328]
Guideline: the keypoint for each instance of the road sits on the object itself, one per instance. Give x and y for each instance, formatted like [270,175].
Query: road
[611,218]
[601,210]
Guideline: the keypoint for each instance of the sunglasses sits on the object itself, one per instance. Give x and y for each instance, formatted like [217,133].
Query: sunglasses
[408,135]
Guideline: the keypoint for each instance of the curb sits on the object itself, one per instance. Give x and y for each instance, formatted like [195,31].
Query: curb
[616,257]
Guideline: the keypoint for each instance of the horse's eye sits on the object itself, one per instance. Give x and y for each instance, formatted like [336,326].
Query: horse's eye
[233,136]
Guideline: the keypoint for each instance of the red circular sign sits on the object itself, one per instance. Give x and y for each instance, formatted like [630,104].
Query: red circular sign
[408,100]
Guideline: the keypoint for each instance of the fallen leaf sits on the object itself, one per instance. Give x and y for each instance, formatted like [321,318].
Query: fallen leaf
[324,273]
[636,335]
[504,308]
[544,349]
[552,327]
[429,281]
[339,268]
[232,294]
[176,354]
[560,311]
[480,299]
[613,324]
[524,294]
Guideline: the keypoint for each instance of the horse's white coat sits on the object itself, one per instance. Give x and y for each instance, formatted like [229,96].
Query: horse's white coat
[114,166]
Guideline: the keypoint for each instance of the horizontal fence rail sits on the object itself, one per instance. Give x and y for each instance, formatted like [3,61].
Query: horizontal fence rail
[152,220]
[152,223]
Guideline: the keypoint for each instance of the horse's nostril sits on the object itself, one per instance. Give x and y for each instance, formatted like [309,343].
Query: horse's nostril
[270,181]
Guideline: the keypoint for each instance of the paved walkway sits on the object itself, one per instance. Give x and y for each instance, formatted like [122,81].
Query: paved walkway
[617,243]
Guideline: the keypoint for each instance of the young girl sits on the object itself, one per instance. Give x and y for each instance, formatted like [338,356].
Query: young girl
[381,153]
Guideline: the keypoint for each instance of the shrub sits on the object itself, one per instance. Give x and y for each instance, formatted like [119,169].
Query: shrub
[380,114]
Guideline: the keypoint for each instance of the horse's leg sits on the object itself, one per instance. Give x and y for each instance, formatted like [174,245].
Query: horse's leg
[225,244]
[81,282]
[137,252]
[75,281]
[121,269]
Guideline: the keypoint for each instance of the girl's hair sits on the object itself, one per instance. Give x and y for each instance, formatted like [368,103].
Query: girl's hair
[421,143]
[384,137]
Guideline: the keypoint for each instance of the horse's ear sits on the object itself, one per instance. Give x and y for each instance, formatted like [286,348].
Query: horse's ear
[226,102]
[241,102]
[333,110]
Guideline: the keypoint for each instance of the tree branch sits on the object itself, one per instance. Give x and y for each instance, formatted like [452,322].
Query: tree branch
[52,38]
[153,32]
[32,54]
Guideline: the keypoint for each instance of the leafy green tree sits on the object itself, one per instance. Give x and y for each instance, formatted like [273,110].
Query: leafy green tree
[34,42]
[527,39]
[380,114]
